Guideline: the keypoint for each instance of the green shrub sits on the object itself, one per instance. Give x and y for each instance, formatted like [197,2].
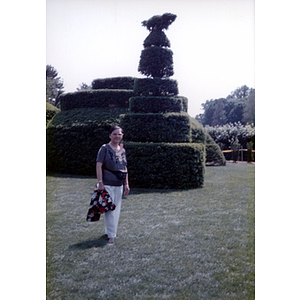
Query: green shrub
[51,111]
[156,62]
[250,155]
[170,128]
[163,165]
[157,38]
[158,104]
[214,155]
[197,132]
[235,151]
[156,59]
[155,87]
[115,83]
[95,98]
[75,136]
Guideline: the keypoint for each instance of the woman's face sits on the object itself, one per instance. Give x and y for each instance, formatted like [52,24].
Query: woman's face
[116,136]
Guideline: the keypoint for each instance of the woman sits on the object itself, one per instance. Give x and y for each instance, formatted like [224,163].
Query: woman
[111,158]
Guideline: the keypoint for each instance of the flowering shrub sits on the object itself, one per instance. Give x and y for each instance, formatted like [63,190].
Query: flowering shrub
[228,135]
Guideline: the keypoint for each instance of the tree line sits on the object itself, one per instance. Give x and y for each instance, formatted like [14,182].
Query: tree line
[239,106]
[54,85]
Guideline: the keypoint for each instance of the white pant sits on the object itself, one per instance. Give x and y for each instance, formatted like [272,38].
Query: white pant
[112,217]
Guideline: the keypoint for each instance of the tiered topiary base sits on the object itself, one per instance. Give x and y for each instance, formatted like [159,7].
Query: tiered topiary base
[76,133]
[165,148]
[74,137]
[165,165]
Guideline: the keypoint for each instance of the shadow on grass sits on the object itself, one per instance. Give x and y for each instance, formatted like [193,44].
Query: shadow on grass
[101,242]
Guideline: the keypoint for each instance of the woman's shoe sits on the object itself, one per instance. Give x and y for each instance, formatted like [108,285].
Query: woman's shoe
[111,241]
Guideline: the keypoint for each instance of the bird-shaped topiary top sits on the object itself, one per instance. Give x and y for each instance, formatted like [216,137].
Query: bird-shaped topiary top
[156,60]
[159,22]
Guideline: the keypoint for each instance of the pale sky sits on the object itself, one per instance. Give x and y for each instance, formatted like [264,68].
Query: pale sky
[212,42]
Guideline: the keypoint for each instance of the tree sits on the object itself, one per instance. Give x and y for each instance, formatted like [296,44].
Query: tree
[54,85]
[156,59]
[229,110]
[84,87]
[209,109]
[249,110]
[219,117]
[234,110]
[240,93]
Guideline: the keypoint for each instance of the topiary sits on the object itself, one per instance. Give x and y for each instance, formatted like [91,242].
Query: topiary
[214,155]
[74,137]
[51,111]
[156,60]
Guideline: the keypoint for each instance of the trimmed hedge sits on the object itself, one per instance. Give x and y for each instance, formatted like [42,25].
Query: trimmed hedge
[158,104]
[163,165]
[157,38]
[197,132]
[95,98]
[156,62]
[115,83]
[75,136]
[214,155]
[169,128]
[155,87]
[51,111]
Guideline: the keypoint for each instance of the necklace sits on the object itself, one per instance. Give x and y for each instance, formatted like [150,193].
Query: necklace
[114,148]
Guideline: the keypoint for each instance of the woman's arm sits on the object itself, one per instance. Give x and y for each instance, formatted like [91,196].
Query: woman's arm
[99,176]
[126,184]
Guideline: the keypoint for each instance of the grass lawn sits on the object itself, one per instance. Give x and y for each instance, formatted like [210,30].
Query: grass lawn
[171,244]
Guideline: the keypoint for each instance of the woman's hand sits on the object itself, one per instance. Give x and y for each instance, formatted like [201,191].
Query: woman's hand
[126,189]
[100,186]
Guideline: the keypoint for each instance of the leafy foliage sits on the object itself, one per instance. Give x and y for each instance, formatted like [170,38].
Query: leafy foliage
[51,111]
[249,109]
[182,168]
[156,59]
[84,87]
[214,155]
[156,62]
[155,87]
[231,109]
[157,38]
[240,93]
[74,137]
[170,127]
[159,22]
[119,83]
[154,104]
[54,85]
[228,135]
[95,98]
